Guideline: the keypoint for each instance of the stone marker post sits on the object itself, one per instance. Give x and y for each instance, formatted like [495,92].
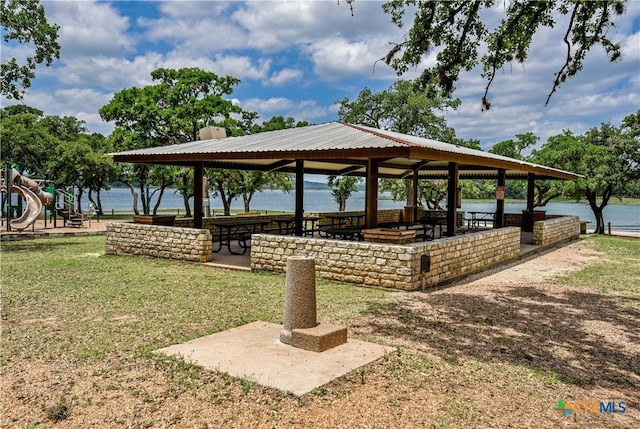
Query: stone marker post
[299,296]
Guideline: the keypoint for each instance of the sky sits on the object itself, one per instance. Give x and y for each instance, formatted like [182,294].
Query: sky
[298,58]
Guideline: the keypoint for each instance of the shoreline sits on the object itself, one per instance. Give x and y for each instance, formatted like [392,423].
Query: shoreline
[95,227]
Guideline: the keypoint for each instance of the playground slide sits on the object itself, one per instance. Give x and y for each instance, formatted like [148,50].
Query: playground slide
[30,191]
[32,211]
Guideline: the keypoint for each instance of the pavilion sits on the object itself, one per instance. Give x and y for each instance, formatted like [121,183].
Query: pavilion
[338,148]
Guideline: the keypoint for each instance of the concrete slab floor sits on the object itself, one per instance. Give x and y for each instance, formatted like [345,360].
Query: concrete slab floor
[254,352]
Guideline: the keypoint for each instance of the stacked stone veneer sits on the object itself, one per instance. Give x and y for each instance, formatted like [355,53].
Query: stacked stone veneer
[187,244]
[555,230]
[390,266]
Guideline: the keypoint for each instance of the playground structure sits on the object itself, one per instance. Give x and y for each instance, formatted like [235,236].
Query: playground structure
[36,198]
[67,212]
[29,190]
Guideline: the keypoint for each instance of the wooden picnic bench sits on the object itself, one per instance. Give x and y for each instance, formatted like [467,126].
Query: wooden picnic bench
[347,233]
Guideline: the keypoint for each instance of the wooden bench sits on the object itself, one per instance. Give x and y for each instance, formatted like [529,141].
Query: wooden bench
[349,233]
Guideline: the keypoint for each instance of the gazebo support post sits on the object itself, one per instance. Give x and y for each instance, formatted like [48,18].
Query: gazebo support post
[531,188]
[198,174]
[452,200]
[499,223]
[299,197]
[371,194]
[414,196]
[527,215]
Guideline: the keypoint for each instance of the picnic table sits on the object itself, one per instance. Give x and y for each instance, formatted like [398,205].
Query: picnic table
[429,225]
[345,233]
[286,225]
[240,230]
[476,217]
[340,220]
[345,226]
[306,220]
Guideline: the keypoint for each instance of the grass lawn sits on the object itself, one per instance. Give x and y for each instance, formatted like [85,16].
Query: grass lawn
[79,329]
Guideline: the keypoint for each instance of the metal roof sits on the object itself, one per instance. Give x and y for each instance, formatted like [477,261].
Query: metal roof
[339,148]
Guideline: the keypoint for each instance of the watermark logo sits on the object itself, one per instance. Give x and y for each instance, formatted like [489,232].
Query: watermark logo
[590,407]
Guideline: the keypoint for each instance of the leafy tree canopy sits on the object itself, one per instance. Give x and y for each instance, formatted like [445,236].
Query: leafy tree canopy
[171,111]
[607,157]
[24,21]
[405,109]
[457,30]
[341,189]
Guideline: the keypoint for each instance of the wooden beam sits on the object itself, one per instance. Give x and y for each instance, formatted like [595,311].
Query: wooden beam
[197,195]
[452,199]
[371,194]
[271,168]
[531,190]
[499,221]
[299,197]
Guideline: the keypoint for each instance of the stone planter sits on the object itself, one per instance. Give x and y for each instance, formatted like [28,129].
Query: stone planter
[165,220]
[389,235]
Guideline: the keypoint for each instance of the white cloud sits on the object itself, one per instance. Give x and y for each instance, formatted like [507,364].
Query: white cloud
[194,36]
[285,76]
[242,67]
[337,58]
[278,25]
[89,28]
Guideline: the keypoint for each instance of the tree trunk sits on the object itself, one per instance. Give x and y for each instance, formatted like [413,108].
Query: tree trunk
[91,200]
[78,207]
[157,205]
[226,199]
[184,176]
[99,203]
[343,202]
[187,207]
[134,194]
[246,198]
[597,209]
[143,197]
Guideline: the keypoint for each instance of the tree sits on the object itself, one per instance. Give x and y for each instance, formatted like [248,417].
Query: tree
[24,21]
[170,112]
[545,190]
[456,28]
[341,189]
[607,157]
[247,183]
[59,149]
[25,143]
[401,108]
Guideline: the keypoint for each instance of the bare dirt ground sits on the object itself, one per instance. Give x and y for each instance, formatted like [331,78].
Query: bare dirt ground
[498,350]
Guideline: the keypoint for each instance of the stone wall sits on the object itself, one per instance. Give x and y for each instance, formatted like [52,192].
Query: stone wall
[556,230]
[186,244]
[390,266]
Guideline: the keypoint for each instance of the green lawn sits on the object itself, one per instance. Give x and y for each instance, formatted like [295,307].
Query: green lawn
[162,301]
[79,328]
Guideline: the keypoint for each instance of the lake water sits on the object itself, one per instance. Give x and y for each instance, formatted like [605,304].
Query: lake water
[622,217]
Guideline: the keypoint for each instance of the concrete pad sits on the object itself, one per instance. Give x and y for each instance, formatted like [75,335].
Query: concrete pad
[254,352]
